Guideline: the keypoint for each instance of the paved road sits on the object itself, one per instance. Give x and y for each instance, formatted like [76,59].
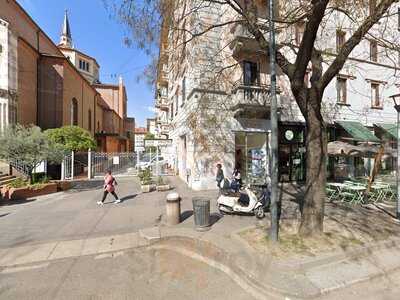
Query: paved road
[132,274]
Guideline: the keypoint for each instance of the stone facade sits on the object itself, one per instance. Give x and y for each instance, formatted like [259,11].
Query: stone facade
[216,98]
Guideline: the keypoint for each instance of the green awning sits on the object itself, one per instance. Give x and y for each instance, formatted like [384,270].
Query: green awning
[391,129]
[358,131]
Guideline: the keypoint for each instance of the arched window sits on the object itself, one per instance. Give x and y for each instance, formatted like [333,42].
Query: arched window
[74,112]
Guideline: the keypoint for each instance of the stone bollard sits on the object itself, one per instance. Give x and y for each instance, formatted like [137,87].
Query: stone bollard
[173,208]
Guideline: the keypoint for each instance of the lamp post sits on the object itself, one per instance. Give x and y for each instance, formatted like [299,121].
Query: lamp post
[274,127]
[396,100]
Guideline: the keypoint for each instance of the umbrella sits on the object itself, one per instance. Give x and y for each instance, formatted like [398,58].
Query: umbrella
[339,148]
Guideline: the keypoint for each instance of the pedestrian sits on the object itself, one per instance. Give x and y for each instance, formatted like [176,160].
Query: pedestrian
[109,187]
[220,175]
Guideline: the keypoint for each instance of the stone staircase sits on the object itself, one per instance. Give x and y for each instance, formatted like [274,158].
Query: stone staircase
[5,179]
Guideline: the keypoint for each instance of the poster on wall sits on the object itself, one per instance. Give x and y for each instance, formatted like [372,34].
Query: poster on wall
[116,160]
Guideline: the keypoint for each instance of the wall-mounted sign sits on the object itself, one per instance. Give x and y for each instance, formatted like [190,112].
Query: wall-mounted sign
[289,135]
[157,143]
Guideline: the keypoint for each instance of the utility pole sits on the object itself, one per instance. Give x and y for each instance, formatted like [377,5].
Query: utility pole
[273,235]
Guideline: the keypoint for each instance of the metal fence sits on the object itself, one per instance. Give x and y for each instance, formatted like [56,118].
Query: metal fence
[95,164]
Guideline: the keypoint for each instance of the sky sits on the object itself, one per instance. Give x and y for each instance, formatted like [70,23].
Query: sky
[96,34]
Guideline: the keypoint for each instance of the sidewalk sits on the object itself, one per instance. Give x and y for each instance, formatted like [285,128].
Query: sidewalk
[113,230]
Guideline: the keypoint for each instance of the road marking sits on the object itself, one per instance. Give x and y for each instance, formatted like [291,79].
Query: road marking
[108,255]
[26,268]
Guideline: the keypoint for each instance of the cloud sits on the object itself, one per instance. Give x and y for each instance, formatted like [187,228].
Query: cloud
[151,109]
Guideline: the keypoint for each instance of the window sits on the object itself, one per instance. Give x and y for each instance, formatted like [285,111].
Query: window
[250,73]
[341,86]
[183,91]
[340,40]
[375,97]
[299,32]
[74,112]
[373,51]
[84,65]
[90,120]
[171,116]
[372,6]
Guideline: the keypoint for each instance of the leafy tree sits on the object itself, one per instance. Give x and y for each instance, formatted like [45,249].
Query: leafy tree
[71,138]
[147,20]
[28,146]
[150,136]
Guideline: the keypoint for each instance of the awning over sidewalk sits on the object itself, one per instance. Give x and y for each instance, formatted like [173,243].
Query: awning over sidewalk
[358,131]
[391,129]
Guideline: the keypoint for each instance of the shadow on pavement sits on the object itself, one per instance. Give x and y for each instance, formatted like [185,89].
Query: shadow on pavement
[214,218]
[86,185]
[130,197]
[186,215]
[4,215]
[15,202]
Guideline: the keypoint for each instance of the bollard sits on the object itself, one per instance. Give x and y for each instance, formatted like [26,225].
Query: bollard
[173,209]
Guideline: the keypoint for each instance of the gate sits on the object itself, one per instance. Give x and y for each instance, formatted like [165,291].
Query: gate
[120,164]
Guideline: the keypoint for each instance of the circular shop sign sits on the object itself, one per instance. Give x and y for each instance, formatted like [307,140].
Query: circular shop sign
[289,135]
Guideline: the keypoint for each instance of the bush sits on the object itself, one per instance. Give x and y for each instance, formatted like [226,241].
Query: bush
[18,183]
[145,176]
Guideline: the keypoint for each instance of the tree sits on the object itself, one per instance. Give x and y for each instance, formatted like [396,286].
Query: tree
[28,146]
[151,149]
[71,138]
[311,53]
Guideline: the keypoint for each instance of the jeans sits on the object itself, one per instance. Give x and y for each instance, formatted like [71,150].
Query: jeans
[106,193]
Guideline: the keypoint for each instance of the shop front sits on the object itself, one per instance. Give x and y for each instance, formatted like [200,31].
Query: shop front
[292,153]
[252,156]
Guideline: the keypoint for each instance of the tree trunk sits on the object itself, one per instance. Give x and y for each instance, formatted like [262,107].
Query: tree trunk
[313,205]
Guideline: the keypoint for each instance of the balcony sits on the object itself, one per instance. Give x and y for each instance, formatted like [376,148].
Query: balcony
[164,128]
[162,103]
[243,42]
[250,101]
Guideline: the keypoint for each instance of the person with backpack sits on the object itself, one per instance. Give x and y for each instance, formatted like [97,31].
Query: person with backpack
[109,187]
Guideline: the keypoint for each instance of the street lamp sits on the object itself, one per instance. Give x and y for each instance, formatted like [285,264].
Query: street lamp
[396,100]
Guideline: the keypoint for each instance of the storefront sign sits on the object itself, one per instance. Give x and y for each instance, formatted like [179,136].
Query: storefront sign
[289,135]
[157,143]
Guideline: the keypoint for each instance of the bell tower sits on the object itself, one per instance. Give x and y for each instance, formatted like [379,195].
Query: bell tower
[66,38]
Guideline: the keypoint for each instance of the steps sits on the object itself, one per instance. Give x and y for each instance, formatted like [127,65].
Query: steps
[5,179]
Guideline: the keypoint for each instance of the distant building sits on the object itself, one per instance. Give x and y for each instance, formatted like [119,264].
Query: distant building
[140,134]
[152,126]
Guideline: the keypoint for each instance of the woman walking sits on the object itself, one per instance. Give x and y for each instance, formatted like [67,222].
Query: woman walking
[109,187]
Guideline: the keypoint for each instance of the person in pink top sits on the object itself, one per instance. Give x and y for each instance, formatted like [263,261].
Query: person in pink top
[109,187]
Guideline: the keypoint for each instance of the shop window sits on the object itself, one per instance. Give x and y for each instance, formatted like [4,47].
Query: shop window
[376,101]
[74,112]
[341,86]
[250,73]
[251,156]
[340,40]
[373,51]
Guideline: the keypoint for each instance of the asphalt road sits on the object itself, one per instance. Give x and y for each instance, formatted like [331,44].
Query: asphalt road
[133,274]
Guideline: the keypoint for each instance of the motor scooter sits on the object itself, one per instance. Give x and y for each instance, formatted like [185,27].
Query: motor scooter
[233,202]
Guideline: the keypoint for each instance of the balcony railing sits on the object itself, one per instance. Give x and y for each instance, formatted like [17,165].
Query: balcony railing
[162,102]
[250,99]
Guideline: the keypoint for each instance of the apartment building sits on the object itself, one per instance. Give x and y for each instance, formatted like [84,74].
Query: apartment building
[53,85]
[213,91]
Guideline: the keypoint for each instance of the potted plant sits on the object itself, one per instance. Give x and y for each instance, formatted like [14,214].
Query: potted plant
[146,181]
[162,185]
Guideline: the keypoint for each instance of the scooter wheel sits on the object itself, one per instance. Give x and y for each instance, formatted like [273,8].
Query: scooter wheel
[259,212]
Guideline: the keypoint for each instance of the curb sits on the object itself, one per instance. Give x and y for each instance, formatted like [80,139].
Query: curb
[207,252]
